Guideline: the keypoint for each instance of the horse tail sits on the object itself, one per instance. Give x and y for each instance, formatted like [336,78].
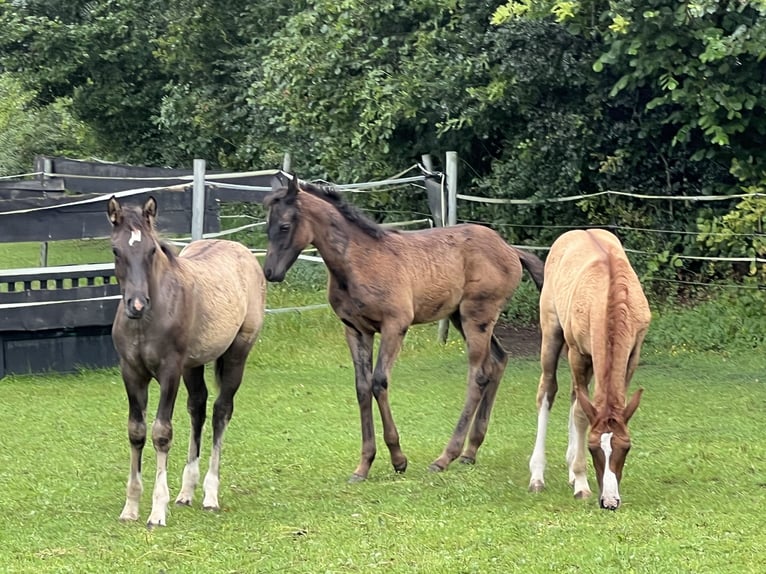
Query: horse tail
[534,266]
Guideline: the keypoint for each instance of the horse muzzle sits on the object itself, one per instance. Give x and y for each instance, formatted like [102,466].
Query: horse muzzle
[272,275]
[609,502]
[135,307]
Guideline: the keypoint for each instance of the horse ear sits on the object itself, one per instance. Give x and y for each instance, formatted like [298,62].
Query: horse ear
[292,188]
[277,182]
[114,211]
[586,405]
[632,405]
[150,210]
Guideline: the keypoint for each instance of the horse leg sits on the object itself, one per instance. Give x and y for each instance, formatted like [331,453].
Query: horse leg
[136,386]
[481,375]
[391,337]
[480,423]
[550,350]
[360,345]
[196,404]
[582,371]
[169,378]
[229,370]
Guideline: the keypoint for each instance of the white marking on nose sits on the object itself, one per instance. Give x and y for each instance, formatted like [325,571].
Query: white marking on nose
[610,494]
[135,237]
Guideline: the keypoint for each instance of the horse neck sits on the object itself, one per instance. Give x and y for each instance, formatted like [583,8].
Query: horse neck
[617,340]
[163,278]
[332,234]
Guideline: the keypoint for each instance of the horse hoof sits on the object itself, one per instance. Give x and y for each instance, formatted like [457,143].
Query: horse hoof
[582,494]
[467,460]
[536,486]
[401,467]
[211,508]
[152,525]
[354,478]
[183,502]
[433,467]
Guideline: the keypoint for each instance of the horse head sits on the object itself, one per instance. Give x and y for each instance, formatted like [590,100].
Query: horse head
[134,245]
[609,444]
[286,232]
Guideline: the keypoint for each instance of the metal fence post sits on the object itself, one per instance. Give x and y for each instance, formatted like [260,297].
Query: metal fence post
[198,200]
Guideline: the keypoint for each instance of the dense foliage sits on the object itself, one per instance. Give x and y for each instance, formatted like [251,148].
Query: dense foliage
[541,99]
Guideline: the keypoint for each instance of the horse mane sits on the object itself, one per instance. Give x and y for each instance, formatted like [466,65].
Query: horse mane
[350,213]
[133,218]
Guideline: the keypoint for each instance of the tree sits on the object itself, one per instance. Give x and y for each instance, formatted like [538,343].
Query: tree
[697,65]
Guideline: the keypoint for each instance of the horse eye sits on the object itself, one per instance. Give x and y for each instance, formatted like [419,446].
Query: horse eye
[284,227]
[115,251]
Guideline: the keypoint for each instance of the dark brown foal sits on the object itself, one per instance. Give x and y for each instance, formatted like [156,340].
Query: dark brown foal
[383,281]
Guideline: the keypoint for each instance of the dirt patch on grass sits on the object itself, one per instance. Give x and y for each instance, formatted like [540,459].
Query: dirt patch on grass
[519,341]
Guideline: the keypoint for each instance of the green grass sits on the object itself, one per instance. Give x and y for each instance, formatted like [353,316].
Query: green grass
[693,492]
[694,487]
[20,255]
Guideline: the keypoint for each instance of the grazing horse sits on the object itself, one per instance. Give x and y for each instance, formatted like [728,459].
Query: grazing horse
[383,281]
[177,313]
[592,301]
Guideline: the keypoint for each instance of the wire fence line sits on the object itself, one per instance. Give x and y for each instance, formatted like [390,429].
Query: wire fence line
[401,182]
[693,198]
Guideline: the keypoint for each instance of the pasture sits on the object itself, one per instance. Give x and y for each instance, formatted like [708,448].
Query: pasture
[694,486]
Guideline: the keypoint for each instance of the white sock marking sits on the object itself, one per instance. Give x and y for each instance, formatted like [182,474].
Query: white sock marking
[537,460]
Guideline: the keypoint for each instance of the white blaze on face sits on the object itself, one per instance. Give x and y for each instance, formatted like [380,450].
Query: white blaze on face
[610,494]
[135,237]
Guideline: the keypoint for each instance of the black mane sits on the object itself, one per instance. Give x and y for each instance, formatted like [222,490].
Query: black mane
[351,213]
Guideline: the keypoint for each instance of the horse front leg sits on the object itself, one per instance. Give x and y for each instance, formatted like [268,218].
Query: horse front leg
[229,370]
[582,371]
[391,338]
[196,405]
[360,344]
[136,387]
[162,437]
[552,342]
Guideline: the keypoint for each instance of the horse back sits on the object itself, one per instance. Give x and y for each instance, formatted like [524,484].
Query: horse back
[593,292]
[443,266]
[229,293]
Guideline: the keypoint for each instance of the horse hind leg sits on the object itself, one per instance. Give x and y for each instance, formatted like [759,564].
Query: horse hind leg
[229,370]
[478,431]
[482,375]
[196,404]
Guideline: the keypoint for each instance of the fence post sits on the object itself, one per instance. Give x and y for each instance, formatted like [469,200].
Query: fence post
[198,200]
[451,188]
[44,165]
[451,220]
[443,331]
[287,162]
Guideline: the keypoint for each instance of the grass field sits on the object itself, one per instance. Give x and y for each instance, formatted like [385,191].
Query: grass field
[693,492]
[694,487]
